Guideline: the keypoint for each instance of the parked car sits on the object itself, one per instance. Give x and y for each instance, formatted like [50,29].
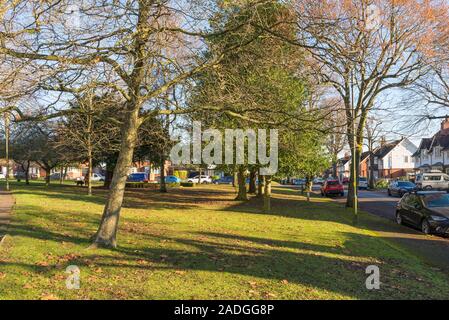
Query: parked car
[204,179]
[97,177]
[432,181]
[427,210]
[138,177]
[363,183]
[299,182]
[55,176]
[224,180]
[172,179]
[319,181]
[400,188]
[332,187]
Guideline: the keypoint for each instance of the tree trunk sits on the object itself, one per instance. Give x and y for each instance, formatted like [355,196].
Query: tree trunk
[261,186]
[163,187]
[89,171]
[241,177]
[27,173]
[334,170]
[61,175]
[107,231]
[372,181]
[236,177]
[309,185]
[351,190]
[267,195]
[109,175]
[47,176]
[252,182]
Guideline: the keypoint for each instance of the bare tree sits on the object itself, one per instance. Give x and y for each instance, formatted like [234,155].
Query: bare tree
[140,49]
[363,49]
[373,133]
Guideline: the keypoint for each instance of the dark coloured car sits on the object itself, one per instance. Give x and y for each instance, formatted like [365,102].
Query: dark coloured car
[426,210]
[399,188]
[138,177]
[332,187]
[224,180]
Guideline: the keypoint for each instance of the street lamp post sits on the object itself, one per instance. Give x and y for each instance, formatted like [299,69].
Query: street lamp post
[6,115]
[354,153]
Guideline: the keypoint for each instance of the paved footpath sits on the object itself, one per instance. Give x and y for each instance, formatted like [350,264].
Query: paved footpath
[6,203]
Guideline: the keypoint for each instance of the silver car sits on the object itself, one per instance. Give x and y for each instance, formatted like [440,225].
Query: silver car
[432,181]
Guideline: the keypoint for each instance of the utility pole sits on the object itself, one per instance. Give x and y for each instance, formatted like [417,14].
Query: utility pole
[6,115]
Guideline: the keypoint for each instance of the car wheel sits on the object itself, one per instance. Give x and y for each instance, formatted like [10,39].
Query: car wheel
[425,227]
[399,218]
[428,188]
[342,194]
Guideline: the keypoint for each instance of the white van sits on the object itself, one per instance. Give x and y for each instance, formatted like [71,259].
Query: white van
[432,181]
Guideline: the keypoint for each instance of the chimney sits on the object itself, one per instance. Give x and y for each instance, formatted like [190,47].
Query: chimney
[383,141]
[445,124]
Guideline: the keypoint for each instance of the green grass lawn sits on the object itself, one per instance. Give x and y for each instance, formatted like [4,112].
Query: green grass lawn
[196,243]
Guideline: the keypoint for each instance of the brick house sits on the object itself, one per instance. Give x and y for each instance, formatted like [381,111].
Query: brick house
[393,160]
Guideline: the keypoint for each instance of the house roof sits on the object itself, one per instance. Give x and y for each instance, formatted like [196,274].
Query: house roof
[440,139]
[385,149]
[364,156]
[343,161]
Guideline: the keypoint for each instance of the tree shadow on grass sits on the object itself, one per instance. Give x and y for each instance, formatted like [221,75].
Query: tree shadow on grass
[176,198]
[285,262]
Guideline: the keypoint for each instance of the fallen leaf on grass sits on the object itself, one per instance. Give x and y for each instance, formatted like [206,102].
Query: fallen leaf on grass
[269,295]
[49,297]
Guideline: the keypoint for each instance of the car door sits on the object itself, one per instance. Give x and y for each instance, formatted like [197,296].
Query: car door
[394,188]
[405,209]
[416,210]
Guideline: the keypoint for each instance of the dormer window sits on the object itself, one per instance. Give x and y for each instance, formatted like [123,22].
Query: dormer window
[437,152]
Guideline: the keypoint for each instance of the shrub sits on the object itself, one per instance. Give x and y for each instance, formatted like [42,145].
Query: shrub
[382,184]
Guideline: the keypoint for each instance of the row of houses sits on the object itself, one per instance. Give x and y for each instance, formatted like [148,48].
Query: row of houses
[74,172]
[401,158]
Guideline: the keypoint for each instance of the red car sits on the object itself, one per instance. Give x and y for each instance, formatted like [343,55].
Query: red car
[333,187]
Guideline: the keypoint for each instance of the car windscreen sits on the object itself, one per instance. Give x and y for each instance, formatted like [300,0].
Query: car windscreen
[405,184]
[437,200]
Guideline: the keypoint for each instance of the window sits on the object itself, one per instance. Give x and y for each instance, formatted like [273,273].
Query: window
[437,152]
[406,159]
[390,161]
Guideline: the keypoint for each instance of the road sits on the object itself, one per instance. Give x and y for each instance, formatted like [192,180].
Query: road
[377,203]
[432,249]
